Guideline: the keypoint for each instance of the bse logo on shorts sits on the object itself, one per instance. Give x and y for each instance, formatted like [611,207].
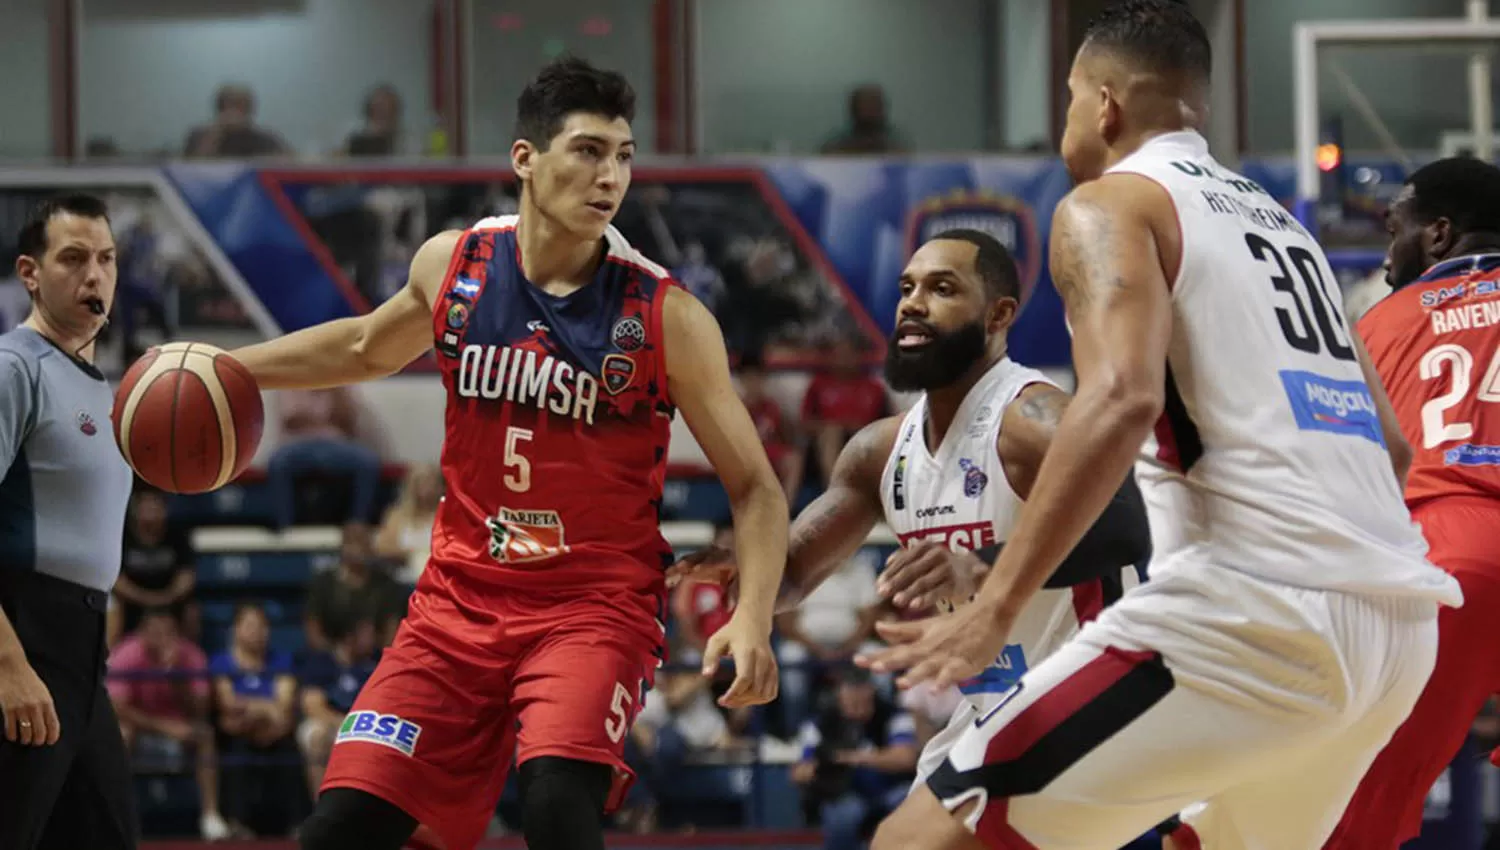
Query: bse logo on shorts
[387,730]
[1007,219]
[520,536]
[1338,407]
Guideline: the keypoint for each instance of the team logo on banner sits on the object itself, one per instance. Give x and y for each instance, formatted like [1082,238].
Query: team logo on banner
[1007,219]
[617,372]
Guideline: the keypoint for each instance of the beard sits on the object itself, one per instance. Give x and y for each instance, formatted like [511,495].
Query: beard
[939,363]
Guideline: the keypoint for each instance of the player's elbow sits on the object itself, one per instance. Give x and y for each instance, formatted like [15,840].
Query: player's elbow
[371,356]
[757,486]
[1131,401]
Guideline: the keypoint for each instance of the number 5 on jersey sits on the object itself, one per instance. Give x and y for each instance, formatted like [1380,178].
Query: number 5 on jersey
[1459,363]
[618,721]
[518,468]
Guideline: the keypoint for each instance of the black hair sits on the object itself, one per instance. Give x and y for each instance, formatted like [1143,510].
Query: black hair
[566,86]
[340,627]
[1464,190]
[1161,35]
[992,262]
[32,240]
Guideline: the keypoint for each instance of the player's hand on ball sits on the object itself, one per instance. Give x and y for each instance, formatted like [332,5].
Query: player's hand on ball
[712,565]
[30,717]
[919,575]
[755,675]
[944,650]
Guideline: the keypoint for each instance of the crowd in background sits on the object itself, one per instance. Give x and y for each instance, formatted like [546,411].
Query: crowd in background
[253,721]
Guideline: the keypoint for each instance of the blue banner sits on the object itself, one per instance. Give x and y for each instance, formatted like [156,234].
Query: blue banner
[813,247]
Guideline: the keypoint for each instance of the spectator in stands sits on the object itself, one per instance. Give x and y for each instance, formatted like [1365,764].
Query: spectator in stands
[352,591]
[869,130]
[825,632]
[159,688]
[770,421]
[858,757]
[381,133]
[698,276]
[158,568]
[318,434]
[679,718]
[405,535]
[256,697]
[701,608]
[233,133]
[839,402]
[330,682]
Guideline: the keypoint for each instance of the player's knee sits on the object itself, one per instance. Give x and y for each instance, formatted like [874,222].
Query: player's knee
[562,802]
[347,819]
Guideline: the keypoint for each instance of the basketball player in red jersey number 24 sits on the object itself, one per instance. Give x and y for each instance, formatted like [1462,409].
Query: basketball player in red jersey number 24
[537,627]
[1436,343]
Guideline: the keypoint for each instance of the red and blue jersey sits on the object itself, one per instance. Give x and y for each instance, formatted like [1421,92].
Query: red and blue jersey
[1436,345]
[557,423]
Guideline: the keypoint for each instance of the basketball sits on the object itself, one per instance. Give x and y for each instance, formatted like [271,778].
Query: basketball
[188,417]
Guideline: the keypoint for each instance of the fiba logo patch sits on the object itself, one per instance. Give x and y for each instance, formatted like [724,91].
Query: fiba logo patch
[86,424]
[457,315]
[974,478]
[628,335]
[1007,219]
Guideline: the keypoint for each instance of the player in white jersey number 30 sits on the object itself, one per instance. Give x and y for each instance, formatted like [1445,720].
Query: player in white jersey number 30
[949,477]
[1291,617]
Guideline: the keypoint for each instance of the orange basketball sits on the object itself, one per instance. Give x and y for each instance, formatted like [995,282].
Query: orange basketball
[188,417]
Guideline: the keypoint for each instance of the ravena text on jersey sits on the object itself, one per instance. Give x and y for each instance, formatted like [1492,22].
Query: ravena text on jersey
[524,376]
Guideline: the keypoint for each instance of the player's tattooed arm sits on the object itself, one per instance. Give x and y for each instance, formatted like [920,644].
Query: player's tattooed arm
[1119,537]
[1113,240]
[831,529]
[1026,430]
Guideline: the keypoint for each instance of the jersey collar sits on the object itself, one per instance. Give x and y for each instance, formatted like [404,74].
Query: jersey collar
[1461,266]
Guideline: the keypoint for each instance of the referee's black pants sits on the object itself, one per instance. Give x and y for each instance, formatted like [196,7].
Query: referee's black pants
[76,793]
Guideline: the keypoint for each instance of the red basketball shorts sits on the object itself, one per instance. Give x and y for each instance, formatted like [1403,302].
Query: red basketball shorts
[1387,809]
[474,680]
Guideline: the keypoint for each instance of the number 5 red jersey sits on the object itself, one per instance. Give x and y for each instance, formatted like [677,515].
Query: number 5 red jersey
[557,423]
[1434,343]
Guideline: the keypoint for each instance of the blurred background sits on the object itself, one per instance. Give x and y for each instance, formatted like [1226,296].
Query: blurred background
[274,163]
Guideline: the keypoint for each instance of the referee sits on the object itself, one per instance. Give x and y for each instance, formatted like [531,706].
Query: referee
[64,776]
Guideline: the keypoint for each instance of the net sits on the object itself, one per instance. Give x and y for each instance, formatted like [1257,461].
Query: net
[1375,100]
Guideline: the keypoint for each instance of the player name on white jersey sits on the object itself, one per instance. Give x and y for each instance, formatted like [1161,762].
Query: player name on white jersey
[522,376]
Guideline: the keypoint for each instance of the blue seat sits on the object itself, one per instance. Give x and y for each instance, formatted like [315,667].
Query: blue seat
[258,569]
[290,638]
[695,500]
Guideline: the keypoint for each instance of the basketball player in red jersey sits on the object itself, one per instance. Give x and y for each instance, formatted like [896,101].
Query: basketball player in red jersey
[1436,343]
[536,629]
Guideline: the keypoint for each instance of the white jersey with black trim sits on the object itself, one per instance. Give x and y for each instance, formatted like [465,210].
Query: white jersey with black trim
[1269,458]
[959,496]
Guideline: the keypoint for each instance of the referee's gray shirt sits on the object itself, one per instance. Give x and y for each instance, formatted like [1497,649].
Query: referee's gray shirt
[66,486]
